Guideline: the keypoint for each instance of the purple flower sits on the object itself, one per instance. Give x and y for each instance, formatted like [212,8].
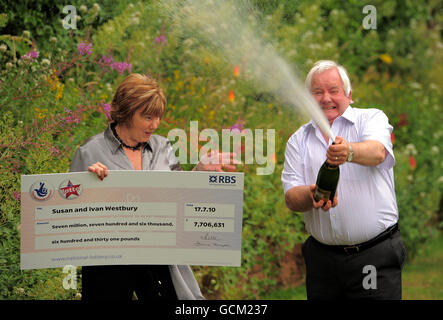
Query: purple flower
[107,109]
[237,127]
[31,55]
[84,48]
[121,67]
[107,60]
[161,39]
[17,195]
[72,117]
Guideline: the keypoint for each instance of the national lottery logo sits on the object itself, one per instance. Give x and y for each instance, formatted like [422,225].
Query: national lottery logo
[41,190]
[69,189]
[222,180]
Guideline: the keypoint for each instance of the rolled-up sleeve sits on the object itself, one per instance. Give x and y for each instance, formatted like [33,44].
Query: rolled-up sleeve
[377,128]
[292,174]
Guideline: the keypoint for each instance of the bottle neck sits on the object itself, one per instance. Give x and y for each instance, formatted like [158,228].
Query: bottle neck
[330,166]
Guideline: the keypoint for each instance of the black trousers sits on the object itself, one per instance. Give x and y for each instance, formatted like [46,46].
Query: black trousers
[374,273]
[149,282]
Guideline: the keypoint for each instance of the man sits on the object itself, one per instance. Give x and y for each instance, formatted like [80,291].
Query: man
[355,250]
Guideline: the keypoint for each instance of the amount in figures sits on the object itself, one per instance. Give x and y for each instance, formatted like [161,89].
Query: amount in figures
[206,224]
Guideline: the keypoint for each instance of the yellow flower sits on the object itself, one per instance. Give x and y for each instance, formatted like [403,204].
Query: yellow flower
[59,94]
[179,85]
[386,58]
[41,113]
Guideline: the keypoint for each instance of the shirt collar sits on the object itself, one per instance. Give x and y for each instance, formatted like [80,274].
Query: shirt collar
[114,144]
[349,115]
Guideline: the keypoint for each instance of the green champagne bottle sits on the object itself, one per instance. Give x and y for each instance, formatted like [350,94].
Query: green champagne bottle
[327,180]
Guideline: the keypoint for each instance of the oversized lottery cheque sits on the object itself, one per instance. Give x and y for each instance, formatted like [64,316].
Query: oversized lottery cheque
[131,217]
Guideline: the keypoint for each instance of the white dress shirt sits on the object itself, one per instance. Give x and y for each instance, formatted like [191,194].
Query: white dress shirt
[366,195]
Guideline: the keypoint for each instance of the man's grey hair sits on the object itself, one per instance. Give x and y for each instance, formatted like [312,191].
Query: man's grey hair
[323,65]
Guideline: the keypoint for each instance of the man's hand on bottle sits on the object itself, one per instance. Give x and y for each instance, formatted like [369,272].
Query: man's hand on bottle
[338,153]
[325,206]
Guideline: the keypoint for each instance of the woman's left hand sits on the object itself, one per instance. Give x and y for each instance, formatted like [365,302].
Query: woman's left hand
[217,161]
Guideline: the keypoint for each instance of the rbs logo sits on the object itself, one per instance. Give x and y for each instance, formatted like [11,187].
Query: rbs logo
[221,179]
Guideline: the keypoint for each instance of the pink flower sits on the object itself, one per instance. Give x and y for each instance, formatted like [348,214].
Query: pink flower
[72,117]
[121,67]
[107,109]
[17,195]
[31,55]
[161,39]
[237,127]
[108,60]
[84,48]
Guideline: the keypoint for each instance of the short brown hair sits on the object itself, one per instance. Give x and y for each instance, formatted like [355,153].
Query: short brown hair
[137,92]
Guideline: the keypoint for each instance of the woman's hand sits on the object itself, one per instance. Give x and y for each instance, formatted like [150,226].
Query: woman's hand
[99,169]
[216,161]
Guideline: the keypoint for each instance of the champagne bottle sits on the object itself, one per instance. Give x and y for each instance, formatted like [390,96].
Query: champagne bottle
[327,180]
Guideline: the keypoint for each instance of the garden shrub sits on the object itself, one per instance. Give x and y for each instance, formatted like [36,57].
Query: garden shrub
[66,85]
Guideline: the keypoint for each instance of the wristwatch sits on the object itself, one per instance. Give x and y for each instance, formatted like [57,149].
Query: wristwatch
[351,154]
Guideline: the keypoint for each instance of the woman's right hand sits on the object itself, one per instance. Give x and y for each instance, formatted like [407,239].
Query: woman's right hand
[99,169]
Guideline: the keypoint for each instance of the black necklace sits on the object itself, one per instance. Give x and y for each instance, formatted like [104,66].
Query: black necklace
[121,141]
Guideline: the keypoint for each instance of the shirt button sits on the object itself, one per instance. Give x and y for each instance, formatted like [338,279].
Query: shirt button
[159,282]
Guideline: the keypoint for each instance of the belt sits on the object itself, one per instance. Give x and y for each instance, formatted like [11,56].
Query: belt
[351,249]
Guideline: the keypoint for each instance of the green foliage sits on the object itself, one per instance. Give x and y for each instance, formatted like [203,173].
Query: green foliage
[58,104]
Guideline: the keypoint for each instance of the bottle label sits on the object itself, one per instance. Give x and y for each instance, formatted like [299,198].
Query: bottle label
[321,194]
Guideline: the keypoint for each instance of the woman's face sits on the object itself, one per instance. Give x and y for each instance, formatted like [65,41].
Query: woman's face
[143,126]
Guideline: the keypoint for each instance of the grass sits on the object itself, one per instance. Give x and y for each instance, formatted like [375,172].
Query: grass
[422,277]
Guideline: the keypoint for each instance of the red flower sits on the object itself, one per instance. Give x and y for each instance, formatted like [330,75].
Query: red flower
[403,120]
[231,96]
[236,71]
[393,138]
[412,162]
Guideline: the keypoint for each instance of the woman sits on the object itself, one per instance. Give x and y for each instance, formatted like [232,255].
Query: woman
[129,143]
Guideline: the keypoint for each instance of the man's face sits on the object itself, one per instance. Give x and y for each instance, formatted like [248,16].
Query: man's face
[327,90]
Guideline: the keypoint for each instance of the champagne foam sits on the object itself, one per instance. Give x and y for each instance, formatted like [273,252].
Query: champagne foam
[229,29]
